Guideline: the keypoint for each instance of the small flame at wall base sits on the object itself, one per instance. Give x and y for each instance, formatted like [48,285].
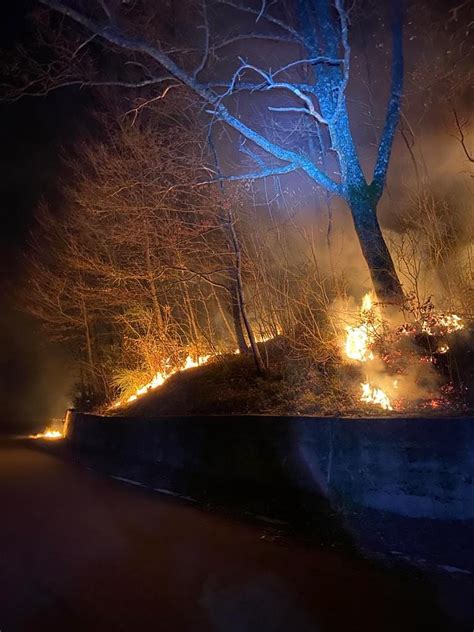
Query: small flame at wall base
[48,434]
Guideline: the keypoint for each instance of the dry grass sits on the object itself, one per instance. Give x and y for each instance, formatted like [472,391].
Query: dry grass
[231,386]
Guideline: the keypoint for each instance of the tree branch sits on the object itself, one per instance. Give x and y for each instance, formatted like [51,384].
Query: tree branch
[268,18]
[205,26]
[271,84]
[394,104]
[275,170]
[113,36]
[288,39]
[26,92]
[461,138]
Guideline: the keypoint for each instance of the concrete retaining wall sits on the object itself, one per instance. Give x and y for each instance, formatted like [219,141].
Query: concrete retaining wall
[412,467]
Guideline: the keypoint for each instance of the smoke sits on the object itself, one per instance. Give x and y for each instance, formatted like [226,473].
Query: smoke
[428,161]
[35,380]
[428,199]
[419,380]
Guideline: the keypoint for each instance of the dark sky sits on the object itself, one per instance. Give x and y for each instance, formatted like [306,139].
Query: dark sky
[33,132]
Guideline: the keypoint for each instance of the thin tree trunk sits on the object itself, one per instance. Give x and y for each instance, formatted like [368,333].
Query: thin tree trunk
[376,253]
[237,287]
[151,281]
[208,331]
[223,314]
[194,329]
[236,317]
[87,334]
[240,294]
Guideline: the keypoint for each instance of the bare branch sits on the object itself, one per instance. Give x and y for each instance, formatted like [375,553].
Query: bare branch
[28,92]
[393,108]
[205,26]
[107,12]
[270,84]
[114,36]
[287,39]
[276,170]
[265,16]
[84,43]
[461,138]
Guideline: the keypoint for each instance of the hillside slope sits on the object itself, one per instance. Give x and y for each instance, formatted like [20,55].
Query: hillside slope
[230,385]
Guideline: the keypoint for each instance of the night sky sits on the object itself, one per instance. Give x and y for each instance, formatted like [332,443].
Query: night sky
[33,134]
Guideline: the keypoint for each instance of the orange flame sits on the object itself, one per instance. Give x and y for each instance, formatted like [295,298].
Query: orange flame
[374,395]
[48,434]
[161,376]
[357,347]
[359,338]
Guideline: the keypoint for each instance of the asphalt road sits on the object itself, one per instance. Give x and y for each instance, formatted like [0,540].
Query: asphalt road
[79,551]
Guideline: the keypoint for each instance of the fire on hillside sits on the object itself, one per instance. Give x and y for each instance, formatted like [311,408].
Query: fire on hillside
[390,382]
[190,362]
[390,372]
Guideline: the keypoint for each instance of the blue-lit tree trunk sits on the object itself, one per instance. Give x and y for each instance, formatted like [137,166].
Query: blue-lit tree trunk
[326,35]
[374,249]
[321,36]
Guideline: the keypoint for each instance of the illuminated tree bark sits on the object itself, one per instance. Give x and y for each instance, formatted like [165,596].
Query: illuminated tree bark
[375,251]
[321,36]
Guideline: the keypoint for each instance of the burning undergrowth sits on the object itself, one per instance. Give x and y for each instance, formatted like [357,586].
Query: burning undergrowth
[409,361]
[385,361]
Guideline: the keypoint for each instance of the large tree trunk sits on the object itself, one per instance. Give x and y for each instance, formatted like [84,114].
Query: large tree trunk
[375,251]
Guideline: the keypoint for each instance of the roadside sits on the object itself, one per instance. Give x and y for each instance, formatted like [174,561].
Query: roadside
[419,551]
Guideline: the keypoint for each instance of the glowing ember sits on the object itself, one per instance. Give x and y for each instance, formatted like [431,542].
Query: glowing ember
[266,337]
[442,323]
[374,395]
[48,434]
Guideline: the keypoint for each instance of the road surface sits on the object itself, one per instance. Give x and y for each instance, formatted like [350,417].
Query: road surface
[79,551]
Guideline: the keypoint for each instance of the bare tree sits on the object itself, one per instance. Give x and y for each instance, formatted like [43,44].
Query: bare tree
[151,255]
[59,295]
[460,135]
[315,36]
